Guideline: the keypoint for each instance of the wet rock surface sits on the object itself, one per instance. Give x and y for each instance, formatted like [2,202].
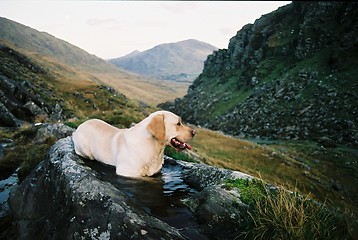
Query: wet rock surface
[67,197]
[63,199]
[5,187]
[215,206]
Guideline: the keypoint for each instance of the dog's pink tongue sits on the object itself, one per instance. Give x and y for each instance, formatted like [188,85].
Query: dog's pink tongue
[188,146]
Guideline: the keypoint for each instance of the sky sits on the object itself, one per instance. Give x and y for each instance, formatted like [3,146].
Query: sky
[111,29]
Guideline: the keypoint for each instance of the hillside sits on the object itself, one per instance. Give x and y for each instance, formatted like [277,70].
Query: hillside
[31,92]
[78,65]
[181,61]
[290,75]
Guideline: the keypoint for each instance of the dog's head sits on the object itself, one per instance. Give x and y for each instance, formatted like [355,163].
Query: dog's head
[168,127]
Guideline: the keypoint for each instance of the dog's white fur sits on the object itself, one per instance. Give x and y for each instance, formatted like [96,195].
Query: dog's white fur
[135,152]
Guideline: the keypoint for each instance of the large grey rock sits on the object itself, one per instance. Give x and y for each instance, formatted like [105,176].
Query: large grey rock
[201,175]
[219,212]
[216,207]
[56,131]
[34,109]
[63,198]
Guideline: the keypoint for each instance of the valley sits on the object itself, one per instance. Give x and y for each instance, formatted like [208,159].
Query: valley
[73,64]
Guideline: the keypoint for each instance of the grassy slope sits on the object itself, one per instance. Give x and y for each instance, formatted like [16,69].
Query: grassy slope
[150,91]
[77,64]
[281,214]
[62,83]
[328,174]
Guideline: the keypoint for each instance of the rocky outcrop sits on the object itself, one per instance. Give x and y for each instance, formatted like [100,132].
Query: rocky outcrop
[20,100]
[55,131]
[290,75]
[13,98]
[65,199]
[62,199]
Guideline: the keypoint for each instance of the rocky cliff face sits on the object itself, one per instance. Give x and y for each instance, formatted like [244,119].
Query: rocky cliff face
[63,198]
[290,75]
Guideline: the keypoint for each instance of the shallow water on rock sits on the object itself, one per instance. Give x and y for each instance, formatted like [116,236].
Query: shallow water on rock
[159,195]
[5,188]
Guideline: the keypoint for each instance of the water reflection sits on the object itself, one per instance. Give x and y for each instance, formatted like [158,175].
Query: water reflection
[159,196]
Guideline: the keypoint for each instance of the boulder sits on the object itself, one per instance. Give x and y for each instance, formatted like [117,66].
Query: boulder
[34,109]
[214,206]
[63,199]
[13,96]
[6,117]
[56,131]
[66,198]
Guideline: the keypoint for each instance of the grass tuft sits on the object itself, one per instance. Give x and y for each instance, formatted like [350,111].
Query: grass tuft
[25,154]
[280,214]
[171,152]
[250,190]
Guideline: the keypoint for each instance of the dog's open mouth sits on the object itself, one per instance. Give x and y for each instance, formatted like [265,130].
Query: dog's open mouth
[180,145]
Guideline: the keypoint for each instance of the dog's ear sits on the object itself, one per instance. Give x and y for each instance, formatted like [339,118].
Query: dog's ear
[156,127]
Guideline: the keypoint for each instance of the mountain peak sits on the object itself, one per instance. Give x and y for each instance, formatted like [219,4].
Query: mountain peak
[131,54]
[179,61]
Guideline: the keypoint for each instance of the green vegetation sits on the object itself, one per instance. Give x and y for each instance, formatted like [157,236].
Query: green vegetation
[25,154]
[323,173]
[279,214]
[233,99]
[251,190]
[171,152]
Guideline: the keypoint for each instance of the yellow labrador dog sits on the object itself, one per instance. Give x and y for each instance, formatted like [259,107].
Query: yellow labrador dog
[136,151]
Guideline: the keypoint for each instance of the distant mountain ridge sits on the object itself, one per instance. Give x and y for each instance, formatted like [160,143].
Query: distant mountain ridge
[180,61]
[290,75]
[78,65]
[25,37]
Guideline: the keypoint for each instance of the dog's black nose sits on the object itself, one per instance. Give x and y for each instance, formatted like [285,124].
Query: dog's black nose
[193,132]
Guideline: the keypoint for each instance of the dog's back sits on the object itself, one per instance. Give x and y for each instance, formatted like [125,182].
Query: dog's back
[92,140]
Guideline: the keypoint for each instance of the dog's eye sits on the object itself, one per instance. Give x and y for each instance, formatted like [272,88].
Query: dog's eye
[178,124]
